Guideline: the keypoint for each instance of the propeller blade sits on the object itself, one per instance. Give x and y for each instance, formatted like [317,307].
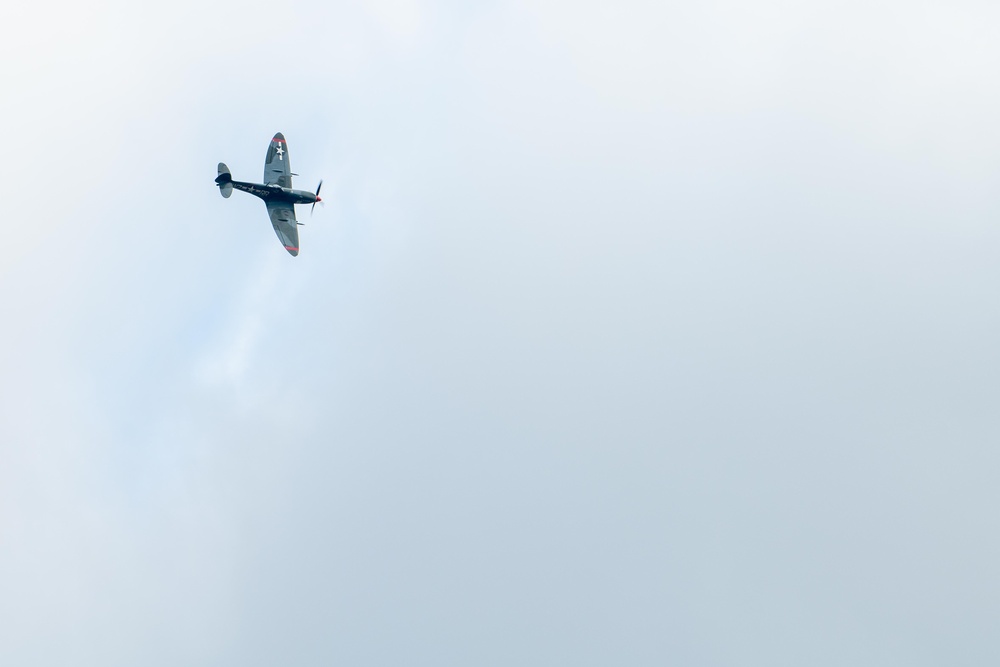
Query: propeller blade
[313,208]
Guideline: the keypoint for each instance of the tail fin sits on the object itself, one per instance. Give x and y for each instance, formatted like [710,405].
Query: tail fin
[224,180]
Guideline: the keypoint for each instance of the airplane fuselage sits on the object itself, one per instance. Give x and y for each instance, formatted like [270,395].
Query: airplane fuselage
[276,193]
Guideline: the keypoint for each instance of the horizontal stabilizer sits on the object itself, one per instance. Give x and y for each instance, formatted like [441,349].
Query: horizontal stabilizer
[224,180]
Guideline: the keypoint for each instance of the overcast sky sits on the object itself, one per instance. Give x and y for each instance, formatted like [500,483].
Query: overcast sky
[631,333]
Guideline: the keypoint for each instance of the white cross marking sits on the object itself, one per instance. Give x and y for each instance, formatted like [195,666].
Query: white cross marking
[281,152]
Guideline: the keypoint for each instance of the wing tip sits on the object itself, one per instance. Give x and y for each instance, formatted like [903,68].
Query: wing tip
[292,250]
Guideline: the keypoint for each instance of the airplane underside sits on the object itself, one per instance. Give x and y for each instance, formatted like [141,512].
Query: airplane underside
[276,192]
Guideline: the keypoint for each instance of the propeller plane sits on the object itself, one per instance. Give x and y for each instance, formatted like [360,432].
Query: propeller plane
[276,191]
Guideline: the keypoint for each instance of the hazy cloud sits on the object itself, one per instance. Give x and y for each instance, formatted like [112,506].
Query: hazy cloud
[632,334]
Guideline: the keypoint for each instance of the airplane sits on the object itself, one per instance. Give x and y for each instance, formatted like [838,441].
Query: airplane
[276,191]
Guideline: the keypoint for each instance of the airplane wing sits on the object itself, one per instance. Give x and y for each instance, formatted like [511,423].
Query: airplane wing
[276,168]
[283,221]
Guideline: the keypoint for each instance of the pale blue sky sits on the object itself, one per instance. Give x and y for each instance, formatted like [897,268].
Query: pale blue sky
[653,334]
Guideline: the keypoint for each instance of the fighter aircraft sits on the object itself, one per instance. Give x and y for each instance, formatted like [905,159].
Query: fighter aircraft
[276,191]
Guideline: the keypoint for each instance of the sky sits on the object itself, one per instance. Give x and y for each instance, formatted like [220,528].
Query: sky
[630,333]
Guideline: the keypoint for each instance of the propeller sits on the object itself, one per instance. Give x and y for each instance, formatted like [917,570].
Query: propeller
[313,207]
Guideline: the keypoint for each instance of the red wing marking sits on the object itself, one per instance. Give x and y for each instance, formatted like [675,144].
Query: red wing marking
[281,140]
[288,247]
